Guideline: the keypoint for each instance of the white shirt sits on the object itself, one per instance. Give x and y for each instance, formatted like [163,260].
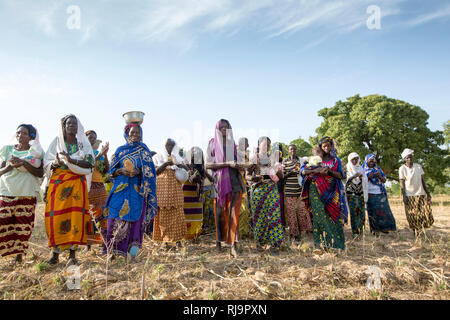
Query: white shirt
[373,188]
[413,179]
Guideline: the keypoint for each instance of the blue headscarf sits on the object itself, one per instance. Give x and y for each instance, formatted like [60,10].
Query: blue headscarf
[374,180]
[148,173]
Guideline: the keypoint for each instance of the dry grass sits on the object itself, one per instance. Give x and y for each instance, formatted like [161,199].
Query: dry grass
[409,269]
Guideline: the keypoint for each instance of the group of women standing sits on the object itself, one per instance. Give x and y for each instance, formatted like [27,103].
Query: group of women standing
[175,198]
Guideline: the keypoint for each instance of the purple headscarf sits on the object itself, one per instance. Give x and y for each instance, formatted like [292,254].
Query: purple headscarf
[216,155]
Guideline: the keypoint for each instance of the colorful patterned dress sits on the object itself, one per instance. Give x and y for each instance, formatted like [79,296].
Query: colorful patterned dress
[193,210]
[19,191]
[132,201]
[67,219]
[417,209]
[298,218]
[97,201]
[208,209]
[170,223]
[267,227]
[355,199]
[324,197]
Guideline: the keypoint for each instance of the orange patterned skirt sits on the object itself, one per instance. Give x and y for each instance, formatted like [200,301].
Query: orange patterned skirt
[170,223]
[67,218]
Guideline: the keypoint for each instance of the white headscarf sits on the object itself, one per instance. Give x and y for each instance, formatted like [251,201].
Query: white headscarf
[58,145]
[353,170]
[161,157]
[406,153]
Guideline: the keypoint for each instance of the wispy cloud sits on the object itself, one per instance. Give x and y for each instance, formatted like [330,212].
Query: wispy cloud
[438,14]
[183,23]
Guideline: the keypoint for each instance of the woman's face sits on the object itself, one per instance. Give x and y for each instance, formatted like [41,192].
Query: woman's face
[223,128]
[264,146]
[23,136]
[134,135]
[169,146]
[92,137]
[292,150]
[326,147]
[371,162]
[71,126]
[409,159]
[355,161]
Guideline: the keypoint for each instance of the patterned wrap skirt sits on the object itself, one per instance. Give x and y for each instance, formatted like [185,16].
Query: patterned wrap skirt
[169,224]
[267,227]
[326,232]
[193,210]
[357,213]
[244,217]
[97,201]
[67,218]
[298,217]
[418,213]
[16,223]
[208,209]
[380,214]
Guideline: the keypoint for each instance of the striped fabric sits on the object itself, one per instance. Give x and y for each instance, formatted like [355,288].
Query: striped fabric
[193,210]
[16,223]
[292,187]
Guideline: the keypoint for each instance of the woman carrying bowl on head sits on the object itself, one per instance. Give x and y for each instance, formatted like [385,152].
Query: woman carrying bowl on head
[21,168]
[132,201]
[67,163]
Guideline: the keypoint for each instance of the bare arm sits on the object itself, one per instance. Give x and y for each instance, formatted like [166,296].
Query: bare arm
[5,168]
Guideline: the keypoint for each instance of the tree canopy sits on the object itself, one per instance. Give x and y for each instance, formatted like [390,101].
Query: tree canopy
[385,127]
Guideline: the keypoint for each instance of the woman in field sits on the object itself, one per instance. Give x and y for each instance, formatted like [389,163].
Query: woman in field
[245,215]
[21,168]
[357,193]
[416,197]
[67,163]
[132,202]
[222,158]
[298,218]
[380,215]
[192,190]
[324,197]
[264,173]
[97,193]
[170,223]
[208,196]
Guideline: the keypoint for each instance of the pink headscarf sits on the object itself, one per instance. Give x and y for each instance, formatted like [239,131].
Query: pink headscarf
[216,155]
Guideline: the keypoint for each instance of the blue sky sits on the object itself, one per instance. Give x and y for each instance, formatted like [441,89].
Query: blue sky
[267,66]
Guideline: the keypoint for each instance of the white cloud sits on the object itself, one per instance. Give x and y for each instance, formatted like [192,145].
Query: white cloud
[438,14]
[183,23]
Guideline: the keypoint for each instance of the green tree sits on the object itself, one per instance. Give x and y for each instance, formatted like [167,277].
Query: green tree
[385,127]
[303,148]
[447,134]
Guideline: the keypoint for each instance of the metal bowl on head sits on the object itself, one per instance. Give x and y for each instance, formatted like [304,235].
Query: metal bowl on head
[134,117]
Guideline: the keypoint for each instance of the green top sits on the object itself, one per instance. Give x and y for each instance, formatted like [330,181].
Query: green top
[16,183]
[73,148]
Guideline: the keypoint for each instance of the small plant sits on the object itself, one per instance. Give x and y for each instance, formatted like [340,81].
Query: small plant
[202,258]
[58,280]
[374,294]
[442,287]
[213,296]
[42,266]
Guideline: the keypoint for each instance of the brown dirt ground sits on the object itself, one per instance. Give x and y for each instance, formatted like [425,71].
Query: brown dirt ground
[409,269]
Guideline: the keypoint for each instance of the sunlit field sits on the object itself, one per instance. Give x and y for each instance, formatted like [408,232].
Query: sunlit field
[410,269]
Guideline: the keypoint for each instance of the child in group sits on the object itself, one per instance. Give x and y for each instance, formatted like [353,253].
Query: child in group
[315,161]
[34,155]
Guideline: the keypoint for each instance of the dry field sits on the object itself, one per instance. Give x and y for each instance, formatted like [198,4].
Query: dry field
[409,269]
